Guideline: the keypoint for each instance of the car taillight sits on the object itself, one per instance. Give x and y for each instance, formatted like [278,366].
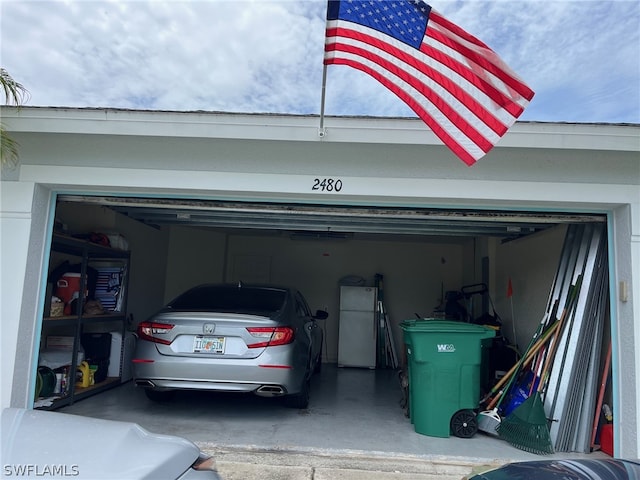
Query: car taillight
[270,336]
[149,330]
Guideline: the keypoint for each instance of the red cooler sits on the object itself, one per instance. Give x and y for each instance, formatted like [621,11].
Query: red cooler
[68,290]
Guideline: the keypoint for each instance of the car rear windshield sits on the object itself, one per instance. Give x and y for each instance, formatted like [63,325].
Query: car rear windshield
[231,299]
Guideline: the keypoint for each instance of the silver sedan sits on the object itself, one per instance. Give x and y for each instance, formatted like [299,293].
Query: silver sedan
[232,338]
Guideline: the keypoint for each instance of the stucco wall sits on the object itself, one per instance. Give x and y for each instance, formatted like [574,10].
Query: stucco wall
[15,230]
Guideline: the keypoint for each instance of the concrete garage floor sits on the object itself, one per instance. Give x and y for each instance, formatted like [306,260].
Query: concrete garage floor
[352,411]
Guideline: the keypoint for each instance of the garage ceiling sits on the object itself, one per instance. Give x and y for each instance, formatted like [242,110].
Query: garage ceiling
[338,222]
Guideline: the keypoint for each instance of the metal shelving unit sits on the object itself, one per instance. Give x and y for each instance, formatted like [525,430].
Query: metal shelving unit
[87,254]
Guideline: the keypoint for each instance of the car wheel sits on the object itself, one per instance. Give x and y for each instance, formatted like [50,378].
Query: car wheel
[159,395]
[301,399]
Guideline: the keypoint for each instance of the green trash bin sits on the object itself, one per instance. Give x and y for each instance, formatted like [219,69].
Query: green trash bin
[444,363]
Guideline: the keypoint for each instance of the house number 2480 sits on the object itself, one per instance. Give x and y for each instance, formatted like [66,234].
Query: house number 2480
[327,184]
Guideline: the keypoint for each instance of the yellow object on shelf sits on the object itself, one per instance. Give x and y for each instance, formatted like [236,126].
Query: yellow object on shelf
[85,371]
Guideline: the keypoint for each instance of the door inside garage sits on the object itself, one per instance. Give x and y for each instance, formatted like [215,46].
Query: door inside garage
[420,261]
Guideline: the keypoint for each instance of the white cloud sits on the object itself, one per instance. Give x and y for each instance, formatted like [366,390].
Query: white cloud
[581,57]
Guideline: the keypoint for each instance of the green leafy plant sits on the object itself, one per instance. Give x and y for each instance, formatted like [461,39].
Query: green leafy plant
[15,94]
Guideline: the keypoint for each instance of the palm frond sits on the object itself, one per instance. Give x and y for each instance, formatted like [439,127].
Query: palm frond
[14,92]
[8,150]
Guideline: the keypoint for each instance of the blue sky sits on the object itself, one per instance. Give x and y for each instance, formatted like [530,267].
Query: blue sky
[582,58]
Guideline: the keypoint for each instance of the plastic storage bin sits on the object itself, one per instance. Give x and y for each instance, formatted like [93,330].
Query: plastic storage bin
[120,360]
[444,361]
[97,349]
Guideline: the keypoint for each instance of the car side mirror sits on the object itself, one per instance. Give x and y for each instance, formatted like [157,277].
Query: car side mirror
[321,315]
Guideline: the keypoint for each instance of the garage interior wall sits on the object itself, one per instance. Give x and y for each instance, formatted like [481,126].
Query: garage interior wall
[416,269]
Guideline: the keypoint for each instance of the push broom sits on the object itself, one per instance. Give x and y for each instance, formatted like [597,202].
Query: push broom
[489,420]
[527,426]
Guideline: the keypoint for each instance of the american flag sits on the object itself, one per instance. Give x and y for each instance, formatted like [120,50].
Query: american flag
[455,83]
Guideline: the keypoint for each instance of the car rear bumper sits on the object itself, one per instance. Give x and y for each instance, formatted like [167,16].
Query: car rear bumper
[267,390]
[262,376]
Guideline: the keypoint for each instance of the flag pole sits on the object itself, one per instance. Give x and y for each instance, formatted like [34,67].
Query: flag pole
[321,131]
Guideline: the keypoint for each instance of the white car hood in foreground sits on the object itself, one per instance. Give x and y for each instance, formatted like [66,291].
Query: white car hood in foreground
[58,445]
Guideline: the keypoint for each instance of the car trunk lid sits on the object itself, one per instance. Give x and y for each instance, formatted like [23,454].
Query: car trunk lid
[212,335]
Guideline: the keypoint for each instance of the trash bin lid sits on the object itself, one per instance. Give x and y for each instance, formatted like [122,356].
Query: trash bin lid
[429,325]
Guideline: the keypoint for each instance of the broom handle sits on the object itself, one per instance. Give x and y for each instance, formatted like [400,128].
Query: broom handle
[571,297]
[536,368]
[523,363]
[603,385]
[533,347]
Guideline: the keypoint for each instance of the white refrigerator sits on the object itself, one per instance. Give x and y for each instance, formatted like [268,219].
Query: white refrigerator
[357,340]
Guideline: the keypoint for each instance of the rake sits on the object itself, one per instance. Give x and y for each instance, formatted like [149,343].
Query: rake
[527,426]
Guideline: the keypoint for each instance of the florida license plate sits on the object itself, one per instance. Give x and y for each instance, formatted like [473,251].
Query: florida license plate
[205,344]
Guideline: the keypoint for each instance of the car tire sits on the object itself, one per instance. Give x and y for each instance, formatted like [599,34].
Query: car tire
[300,400]
[159,395]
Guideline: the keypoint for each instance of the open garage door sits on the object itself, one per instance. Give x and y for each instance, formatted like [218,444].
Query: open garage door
[335,221]
[422,253]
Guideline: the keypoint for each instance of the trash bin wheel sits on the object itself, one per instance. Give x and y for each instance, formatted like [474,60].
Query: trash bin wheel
[464,424]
